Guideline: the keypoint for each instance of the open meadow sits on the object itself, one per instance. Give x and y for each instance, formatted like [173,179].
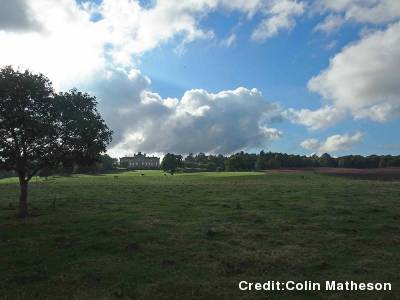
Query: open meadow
[195,236]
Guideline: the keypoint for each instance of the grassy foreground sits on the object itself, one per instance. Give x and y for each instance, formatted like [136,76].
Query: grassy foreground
[195,236]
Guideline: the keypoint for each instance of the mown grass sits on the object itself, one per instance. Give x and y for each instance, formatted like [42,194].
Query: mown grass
[195,236]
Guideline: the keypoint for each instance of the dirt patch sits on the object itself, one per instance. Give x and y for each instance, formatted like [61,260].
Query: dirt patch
[384,174]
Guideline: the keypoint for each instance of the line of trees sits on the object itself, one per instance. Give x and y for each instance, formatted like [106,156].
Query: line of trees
[271,160]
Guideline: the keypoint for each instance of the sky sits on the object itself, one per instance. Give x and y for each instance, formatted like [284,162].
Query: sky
[221,76]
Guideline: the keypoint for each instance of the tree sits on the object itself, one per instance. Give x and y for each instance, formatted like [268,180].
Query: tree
[327,161]
[41,129]
[171,162]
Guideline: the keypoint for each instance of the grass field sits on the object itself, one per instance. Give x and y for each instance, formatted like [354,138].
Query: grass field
[195,236]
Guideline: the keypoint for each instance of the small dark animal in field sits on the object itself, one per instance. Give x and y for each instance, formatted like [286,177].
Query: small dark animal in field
[142,174]
[303,177]
[165,174]
[116,177]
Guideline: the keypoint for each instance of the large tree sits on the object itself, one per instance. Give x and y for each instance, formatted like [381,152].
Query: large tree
[171,162]
[40,129]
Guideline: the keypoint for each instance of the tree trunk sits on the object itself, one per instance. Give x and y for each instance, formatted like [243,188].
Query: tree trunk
[23,198]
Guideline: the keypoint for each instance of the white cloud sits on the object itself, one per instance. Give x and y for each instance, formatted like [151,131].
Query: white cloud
[379,112]
[280,15]
[67,48]
[135,29]
[333,143]
[273,133]
[250,7]
[363,11]
[316,119]
[364,77]
[330,23]
[311,144]
[222,122]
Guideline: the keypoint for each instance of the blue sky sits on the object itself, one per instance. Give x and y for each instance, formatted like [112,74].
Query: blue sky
[168,80]
[280,68]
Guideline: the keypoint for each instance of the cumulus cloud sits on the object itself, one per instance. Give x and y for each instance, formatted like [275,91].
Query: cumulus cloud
[316,119]
[364,77]
[222,122]
[363,11]
[272,133]
[311,144]
[333,143]
[280,15]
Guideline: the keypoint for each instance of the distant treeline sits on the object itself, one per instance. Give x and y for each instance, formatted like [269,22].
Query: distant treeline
[270,160]
[237,162]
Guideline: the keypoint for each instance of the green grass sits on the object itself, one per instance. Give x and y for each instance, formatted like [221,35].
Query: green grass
[195,236]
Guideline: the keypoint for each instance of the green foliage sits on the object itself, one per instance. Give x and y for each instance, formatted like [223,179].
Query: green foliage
[241,162]
[171,162]
[42,129]
[203,162]
[327,161]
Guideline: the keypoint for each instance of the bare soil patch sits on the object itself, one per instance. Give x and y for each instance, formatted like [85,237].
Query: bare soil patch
[384,174]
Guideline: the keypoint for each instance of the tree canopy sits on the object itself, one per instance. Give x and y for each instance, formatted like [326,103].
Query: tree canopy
[171,162]
[42,129]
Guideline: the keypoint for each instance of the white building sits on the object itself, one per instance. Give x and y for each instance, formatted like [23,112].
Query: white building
[140,162]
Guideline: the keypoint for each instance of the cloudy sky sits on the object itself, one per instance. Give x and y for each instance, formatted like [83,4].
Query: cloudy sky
[219,76]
